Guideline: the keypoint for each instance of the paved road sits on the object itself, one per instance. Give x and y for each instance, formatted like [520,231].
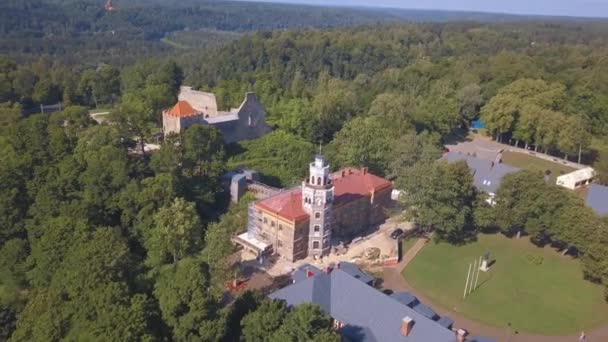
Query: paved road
[394,281]
[486,148]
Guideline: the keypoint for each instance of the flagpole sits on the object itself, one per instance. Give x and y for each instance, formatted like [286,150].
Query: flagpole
[467,283]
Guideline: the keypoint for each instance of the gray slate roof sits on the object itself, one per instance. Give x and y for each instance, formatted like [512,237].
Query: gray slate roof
[301,272]
[426,311]
[354,271]
[597,199]
[486,174]
[446,322]
[367,314]
[406,298]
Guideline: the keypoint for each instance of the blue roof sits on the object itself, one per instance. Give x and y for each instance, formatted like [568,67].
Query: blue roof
[406,298]
[426,311]
[366,313]
[486,174]
[478,124]
[597,199]
[446,322]
[354,271]
[301,272]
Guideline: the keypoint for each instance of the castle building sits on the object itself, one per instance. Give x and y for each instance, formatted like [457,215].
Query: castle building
[303,221]
[248,121]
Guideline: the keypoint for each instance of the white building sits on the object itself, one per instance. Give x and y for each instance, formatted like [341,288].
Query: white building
[576,179]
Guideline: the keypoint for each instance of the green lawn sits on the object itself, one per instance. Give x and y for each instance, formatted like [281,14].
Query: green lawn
[550,299]
[408,242]
[524,161]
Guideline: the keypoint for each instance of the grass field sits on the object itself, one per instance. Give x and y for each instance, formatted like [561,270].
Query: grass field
[524,161]
[408,242]
[550,298]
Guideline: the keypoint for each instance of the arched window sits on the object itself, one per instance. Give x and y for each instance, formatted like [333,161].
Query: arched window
[317,214]
[312,180]
[319,181]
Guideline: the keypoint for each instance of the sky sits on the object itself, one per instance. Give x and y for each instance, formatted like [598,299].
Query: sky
[579,8]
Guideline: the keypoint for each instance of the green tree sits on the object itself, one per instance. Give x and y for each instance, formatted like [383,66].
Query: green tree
[470,99]
[394,112]
[502,112]
[282,158]
[13,254]
[176,234]
[410,149]
[363,141]
[49,250]
[334,104]
[45,92]
[574,136]
[203,151]
[440,196]
[261,323]
[11,304]
[601,166]
[306,323]
[185,301]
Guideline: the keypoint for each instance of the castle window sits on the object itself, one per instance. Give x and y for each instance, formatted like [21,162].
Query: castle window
[265,220]
[312,180]
[315,245]
[319,181]
[317,214]
[280,226]
[317,228]
[272,224]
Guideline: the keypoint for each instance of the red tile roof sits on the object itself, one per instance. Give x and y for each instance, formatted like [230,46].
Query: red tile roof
[287,205]
[350,184]
[182,109]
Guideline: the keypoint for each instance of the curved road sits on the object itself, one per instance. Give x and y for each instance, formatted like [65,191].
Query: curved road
[394,281]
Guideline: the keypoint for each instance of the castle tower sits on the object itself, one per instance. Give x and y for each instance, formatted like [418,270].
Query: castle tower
[317,199]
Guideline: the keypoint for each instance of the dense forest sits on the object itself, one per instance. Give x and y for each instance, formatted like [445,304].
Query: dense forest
[102,240]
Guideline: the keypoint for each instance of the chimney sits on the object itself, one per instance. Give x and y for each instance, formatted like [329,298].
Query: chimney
[461,334]
[406,325]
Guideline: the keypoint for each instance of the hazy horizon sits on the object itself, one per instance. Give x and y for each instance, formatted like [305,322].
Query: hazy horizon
[577,8]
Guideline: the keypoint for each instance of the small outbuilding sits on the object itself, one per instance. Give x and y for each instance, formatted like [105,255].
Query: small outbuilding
[576,179]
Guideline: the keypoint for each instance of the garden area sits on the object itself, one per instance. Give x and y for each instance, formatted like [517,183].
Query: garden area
[535,290]
[528,162]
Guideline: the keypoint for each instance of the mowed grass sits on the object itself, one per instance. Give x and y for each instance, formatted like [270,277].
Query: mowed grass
[408,242]
[528,162]
[549,299]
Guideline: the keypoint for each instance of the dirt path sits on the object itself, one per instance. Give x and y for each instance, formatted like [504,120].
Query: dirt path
[394,281]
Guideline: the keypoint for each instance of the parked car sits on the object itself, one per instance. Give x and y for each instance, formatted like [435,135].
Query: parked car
[397,233]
